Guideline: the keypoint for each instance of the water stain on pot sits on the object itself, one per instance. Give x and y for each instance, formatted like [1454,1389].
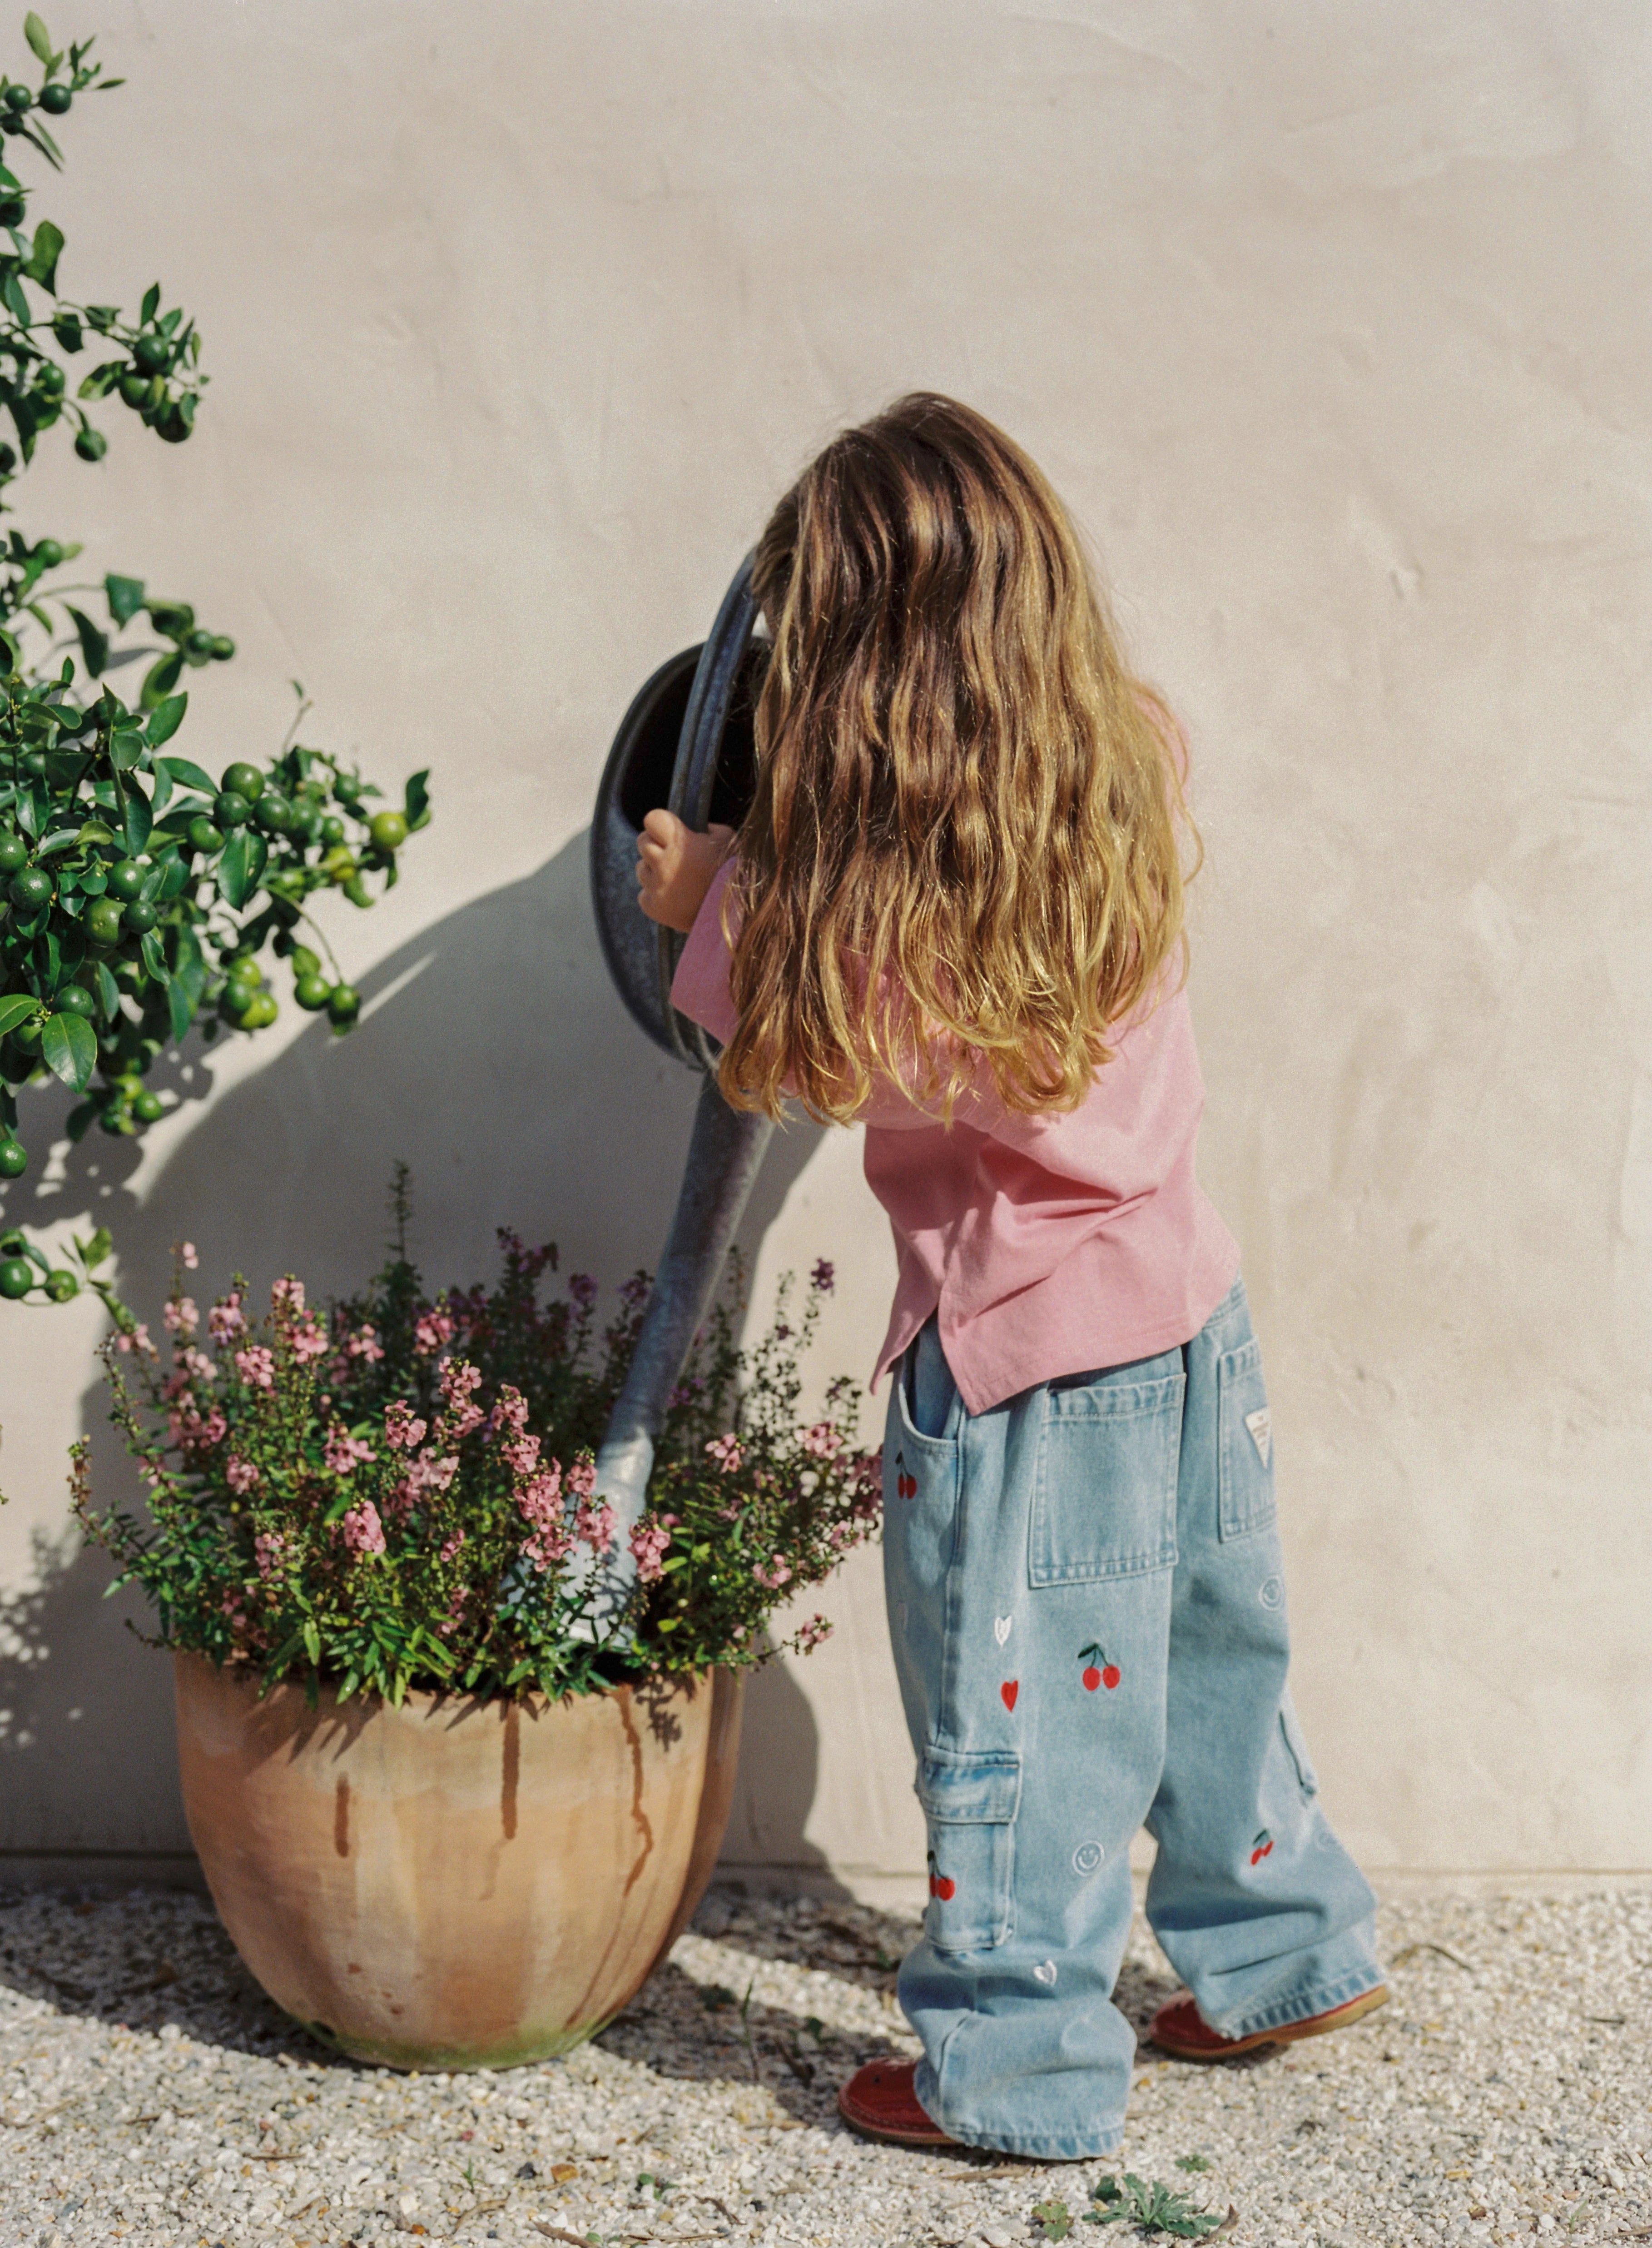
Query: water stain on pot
[513,1769]
[341,1817]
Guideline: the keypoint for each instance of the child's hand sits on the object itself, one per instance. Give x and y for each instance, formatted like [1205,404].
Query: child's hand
[676,867]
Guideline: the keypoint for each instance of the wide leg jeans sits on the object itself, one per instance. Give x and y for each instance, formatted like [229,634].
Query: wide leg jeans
[1087,1609]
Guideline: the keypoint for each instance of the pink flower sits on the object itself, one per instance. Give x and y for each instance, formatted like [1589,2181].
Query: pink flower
[822,1440]
[824,1277]
[138,1340]
[452,1545]
[459,1382]
[810,1634]
[772,1576]
[287,1295]
[197,1364]
[365,1345]
[594,1523]
[582,1476]
[633,1292]
[648,1542]
[361,1530]
[184,1251]
[241,1476]
[188,1430]
[256,1367]
[583,1289]
[309,1341]
[225,1319]
[402,1431]
[268,1548]
[433,1332]
[181,1315]
[344,1452]
[510,1411]
[726,1450]
[521,1455]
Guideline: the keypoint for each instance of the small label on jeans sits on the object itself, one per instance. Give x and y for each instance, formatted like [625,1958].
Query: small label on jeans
[1260,1423]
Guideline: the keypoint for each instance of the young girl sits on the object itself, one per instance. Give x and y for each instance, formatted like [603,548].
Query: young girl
[954,913]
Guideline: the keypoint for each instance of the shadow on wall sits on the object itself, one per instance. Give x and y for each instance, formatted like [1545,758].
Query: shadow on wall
[493,1056]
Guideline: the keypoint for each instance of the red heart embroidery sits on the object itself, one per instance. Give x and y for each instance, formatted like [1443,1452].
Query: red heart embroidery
[1009,1688]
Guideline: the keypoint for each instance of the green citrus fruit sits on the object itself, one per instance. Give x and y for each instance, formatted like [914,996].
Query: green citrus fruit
[388,830]
[14,853]
[231,809]
[305,962]
[343,1005]
[125,878]
[60,1286]
[74,998]
[104,917]
[243,780]
[204,836]
[14,1160]
[141,916]
[48,553]
[148,1107]
[32,888]
[92,444]
[151,352]
[56,99]
[274,812]
[18,98]
[222,647]
[27,1038]
[261,1014]
[17,1277]
[134,389]
[331,831]
[312,992]
[199,643]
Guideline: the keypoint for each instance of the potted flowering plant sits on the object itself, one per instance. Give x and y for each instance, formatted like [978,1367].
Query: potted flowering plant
[451,1806]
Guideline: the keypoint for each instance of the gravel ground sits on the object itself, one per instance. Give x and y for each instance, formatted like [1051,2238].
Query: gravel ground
[149,2093]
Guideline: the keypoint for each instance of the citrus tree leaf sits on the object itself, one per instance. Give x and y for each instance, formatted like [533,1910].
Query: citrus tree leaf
[125,596]
[39,37]
[139,820]
[161,680]
[94,644]
[69,1050]
[180,1008]
[44,253]
[185,775]
[417,799]
[15,1008]
[166,718]
[151,304]
[241,868]
[153,958]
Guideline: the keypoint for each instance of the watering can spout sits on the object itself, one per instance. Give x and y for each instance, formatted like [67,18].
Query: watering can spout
[686,743]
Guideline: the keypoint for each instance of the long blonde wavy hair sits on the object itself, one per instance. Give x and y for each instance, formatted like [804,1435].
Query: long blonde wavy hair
[965,846]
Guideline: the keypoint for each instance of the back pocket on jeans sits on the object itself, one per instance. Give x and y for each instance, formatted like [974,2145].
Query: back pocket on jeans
[1245,1436]
[970,1799]
[1104,1502]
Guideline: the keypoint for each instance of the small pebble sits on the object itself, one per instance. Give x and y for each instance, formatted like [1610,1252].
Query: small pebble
[151,2096]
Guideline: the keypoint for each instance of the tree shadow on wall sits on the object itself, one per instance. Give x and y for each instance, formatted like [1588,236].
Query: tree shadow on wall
[492,1056]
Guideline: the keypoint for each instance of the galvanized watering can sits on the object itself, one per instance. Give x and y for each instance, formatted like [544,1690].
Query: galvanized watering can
[685,744]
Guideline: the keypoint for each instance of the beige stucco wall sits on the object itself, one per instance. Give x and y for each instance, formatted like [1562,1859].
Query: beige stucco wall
[1332,323]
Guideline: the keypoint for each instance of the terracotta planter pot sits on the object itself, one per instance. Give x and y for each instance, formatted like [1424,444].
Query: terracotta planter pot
[455,1884]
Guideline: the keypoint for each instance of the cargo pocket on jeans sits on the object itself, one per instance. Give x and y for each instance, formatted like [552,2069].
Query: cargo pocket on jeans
[1104,1504]
[1246,1440]
[969,1800]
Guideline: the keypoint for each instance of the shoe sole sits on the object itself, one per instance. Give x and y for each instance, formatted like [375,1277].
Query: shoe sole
[1287,2034]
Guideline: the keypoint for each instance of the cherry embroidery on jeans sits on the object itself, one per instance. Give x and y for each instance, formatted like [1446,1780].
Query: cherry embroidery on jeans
[1260,1847]
[906,1486]
[1098,1672]
[1009,1688]
[941,1885]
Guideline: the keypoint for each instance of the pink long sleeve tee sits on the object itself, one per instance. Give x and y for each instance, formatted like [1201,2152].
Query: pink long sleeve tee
[1050,1244]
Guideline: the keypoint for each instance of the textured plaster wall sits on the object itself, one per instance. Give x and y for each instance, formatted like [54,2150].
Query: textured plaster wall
[1332,324]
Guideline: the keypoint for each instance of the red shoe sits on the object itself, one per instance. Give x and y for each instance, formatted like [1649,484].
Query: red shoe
[878,2101]
[1180,2028]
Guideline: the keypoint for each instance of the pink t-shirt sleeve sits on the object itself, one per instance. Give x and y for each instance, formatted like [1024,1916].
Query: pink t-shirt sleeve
[700,987]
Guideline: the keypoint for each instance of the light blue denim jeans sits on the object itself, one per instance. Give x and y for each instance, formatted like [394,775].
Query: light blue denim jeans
[1087,1608]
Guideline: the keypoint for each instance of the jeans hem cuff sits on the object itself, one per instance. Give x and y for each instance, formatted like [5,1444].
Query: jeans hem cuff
[1300,2006]
[1074,2146]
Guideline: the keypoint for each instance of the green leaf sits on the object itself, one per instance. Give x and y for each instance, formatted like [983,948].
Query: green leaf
[94,644]
[43,254]
[69,1048]
[185,775]
[181,1008]
[12,290]
[125,748]
[416,798]
[16,1008]
[108,992]
[1053,2219]
[140,819]
[44,141]
[39,37]
[166,718]
[153,958]
[312,1643]
[66,329]
[125,596]
[162,677]
[241,868]
[92,1252]
[151,304]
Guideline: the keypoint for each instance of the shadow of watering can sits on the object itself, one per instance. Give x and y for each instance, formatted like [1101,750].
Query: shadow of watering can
[686,743]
